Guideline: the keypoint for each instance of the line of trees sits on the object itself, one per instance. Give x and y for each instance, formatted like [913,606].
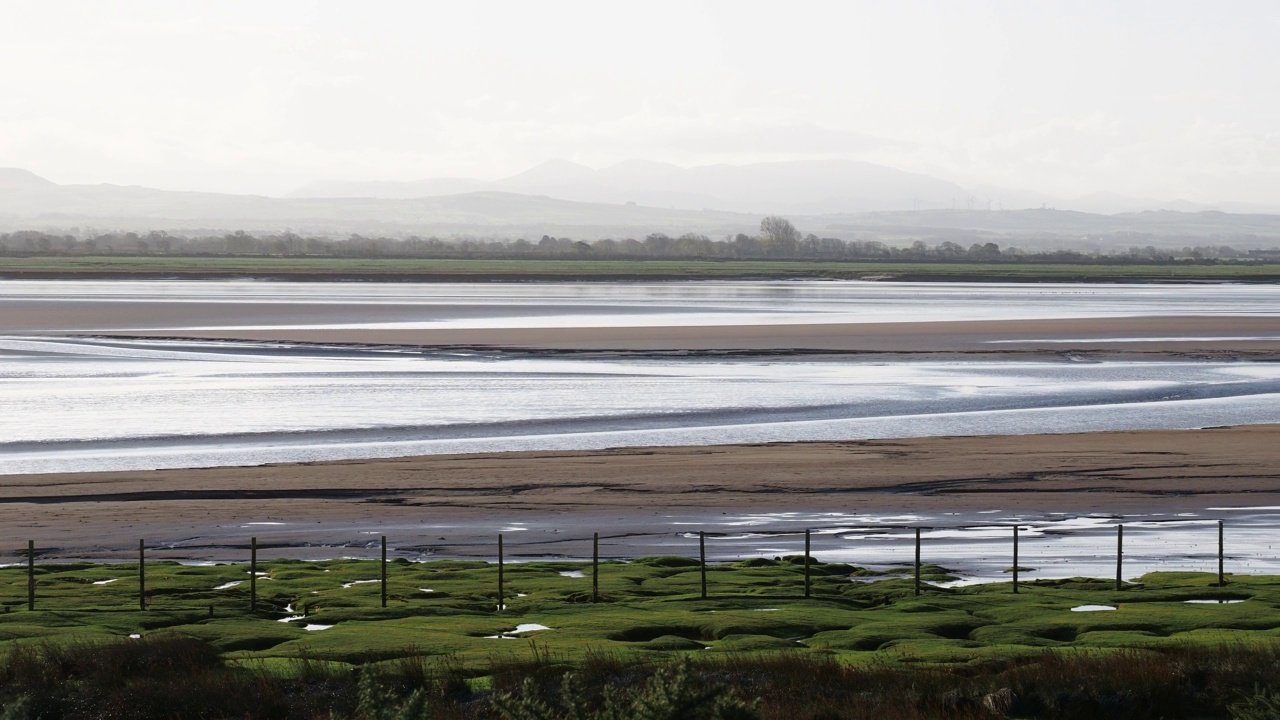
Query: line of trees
[777,239]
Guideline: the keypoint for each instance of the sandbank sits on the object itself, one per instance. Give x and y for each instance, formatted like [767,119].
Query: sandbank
[453,503]
[1142,335]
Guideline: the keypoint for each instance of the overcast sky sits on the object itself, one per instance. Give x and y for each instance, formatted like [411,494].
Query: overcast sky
[1164,99]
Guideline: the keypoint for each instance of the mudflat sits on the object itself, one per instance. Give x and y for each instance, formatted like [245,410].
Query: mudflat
[424,499]
[1136,338]
[1149,335]
[526,329]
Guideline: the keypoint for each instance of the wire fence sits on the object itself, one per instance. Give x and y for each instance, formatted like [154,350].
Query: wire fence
[501,560]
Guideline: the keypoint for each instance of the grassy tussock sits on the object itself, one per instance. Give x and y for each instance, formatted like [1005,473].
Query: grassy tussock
[856,649]
[177,678]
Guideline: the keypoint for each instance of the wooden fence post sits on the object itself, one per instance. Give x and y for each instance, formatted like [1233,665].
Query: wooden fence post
[31,574]
[595,567]
[917,561]
[1015,559]
[500,572]
[1119,557]
[702,561]
[806,563]
[253,574]
[142,575]
[384,571]
[1222,579]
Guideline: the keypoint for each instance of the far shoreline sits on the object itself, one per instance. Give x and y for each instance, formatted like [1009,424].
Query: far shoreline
[452,270]
[409,278]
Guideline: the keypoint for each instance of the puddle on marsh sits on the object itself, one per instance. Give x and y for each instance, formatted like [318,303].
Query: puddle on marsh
[521,628]
[978,546]
[353,583]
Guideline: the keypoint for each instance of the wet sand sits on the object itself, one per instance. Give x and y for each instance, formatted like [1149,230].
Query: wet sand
[321,323]
[1144,335]
[303,321]
[453,504]
[1246,337]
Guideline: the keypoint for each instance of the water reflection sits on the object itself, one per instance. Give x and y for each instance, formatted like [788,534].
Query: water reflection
[97,405]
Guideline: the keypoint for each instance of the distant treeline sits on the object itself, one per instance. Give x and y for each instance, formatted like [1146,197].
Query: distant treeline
[778,239]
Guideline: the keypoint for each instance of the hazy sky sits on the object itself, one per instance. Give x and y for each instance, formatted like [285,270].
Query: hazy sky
[1165,99]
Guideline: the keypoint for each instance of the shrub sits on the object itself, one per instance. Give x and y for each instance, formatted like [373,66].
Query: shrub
[674,692]
[1261,705]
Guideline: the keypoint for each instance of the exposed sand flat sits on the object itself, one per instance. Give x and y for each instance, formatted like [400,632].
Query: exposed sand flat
[1119,337]
[1146,335]
[1123,472]
[45,315]
[681,317]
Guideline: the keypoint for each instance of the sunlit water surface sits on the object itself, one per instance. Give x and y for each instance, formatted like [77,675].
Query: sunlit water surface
[76,404]
[489,305]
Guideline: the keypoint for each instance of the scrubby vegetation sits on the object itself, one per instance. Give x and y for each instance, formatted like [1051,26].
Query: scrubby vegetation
[864,646]
[778,251]
[777,239]
[168,677]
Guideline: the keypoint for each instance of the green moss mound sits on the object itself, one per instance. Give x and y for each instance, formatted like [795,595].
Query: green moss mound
[673,643]
[333,612]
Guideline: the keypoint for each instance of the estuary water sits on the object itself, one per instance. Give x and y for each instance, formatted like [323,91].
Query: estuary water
[191,305]
[78,404]
[75,402]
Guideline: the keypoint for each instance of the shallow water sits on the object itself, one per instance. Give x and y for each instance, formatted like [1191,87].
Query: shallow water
[521,628]
[83,405]
[266,304]
[976,546]
[78,405]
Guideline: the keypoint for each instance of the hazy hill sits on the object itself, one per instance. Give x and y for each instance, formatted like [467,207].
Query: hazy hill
[798,187]
[388,189]
[1068,223]
[18,180]
[29,202]
[816,187]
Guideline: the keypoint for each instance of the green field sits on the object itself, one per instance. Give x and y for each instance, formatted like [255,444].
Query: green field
[438,270]
[863,646]
[647,606]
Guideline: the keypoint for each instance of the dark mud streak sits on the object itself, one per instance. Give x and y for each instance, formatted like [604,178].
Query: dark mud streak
[1036,351]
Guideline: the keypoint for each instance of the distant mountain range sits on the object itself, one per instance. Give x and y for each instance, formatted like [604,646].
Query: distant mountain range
[809,187]
[28,201]
[829,198]
[805,187]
